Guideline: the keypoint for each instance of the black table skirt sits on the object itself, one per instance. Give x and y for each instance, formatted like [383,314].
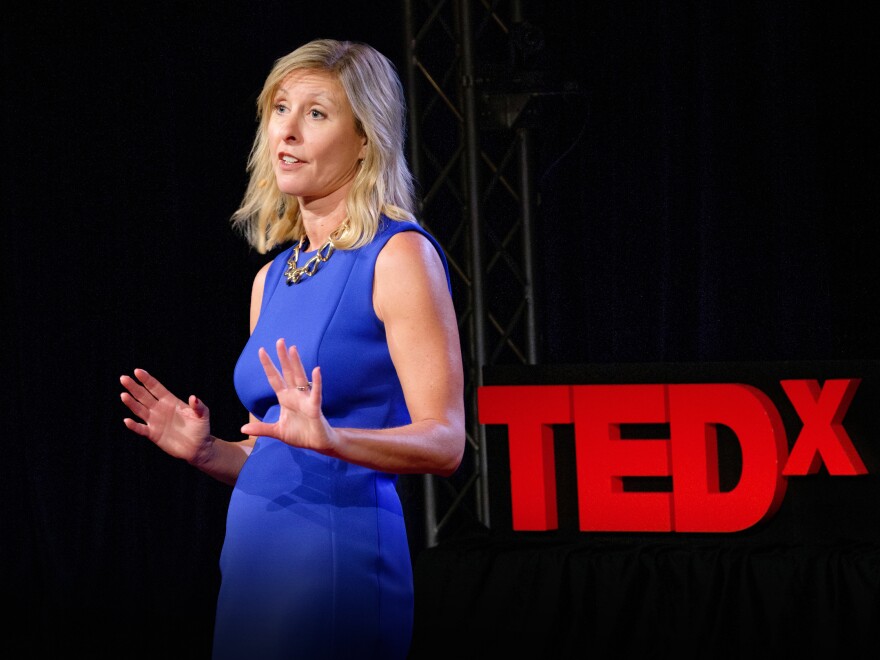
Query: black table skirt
[484,595]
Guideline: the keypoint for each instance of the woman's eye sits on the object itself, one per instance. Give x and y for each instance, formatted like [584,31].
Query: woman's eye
[280,108]
[316,114]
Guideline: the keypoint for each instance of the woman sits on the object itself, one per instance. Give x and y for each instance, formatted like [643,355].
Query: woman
[315,561]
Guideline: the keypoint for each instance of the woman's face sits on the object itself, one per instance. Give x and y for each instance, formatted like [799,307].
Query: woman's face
[312,137]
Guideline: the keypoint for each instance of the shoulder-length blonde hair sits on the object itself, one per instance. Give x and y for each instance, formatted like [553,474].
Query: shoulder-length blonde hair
[383,184]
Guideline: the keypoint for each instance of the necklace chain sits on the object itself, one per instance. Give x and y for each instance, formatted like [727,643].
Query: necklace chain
[295,273]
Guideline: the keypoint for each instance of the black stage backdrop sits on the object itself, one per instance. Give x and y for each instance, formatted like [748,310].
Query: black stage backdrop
[717,201]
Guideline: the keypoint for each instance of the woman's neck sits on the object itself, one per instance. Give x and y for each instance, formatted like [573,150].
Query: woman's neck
[321,218]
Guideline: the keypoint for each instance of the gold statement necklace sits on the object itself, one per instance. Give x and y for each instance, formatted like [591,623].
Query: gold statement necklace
[295,273]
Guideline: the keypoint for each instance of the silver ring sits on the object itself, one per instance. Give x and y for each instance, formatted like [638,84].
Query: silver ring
[303,388]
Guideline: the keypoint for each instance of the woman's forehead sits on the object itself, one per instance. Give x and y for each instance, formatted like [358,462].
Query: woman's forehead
[312,82]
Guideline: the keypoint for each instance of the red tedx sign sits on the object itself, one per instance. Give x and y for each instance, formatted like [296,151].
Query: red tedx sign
[688,456]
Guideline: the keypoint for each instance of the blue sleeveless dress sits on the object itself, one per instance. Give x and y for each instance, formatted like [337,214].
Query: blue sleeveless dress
[315,563]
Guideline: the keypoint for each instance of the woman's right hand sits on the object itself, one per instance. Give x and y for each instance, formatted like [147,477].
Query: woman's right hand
[180,429]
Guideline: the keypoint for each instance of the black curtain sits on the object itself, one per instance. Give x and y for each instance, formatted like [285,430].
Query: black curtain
[719,204]
[709,197]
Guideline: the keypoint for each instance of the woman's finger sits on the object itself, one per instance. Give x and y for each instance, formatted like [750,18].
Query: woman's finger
[257,428]
[275,379]
[299,371]
[317,392]
[132,425]
[137,390]
[291,365]
[135,406]
[153,386]
[284,361]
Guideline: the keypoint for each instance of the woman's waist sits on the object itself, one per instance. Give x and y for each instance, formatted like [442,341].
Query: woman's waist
[275,468]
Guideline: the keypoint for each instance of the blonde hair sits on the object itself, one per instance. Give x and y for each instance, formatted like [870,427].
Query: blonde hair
[383,184]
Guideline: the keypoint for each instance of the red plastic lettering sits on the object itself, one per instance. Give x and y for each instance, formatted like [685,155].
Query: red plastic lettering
[695,412]
[528,411]
[823,437]
[603,458]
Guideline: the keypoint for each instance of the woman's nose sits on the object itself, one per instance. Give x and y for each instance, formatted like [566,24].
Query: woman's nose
[292,131]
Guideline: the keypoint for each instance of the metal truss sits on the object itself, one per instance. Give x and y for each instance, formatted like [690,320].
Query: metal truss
[470,150]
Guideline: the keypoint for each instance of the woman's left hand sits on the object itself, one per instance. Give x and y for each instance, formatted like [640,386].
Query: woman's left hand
[301,422]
